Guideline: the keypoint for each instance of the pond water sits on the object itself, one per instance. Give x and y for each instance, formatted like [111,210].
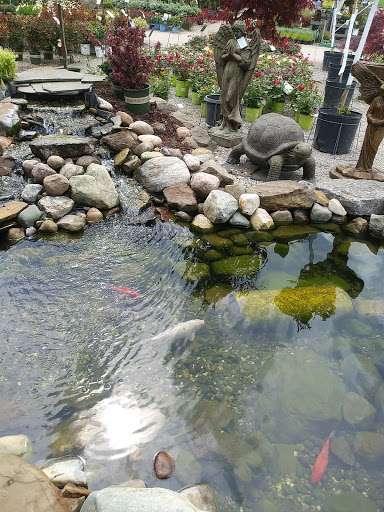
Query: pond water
[283,358]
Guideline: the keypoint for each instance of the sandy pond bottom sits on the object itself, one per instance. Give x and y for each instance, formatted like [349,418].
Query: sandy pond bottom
[245,407]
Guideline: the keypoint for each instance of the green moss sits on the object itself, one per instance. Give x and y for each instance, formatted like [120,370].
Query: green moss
[226,233]
[293,231]
[239,240]
[193,272]
[212,255]
[328,227]
[217,242]
[351,501]
[237,266]
[238,251]
[217,292]
[258,236]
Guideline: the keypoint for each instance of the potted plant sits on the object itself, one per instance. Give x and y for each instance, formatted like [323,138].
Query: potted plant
[175,22]
[160,87]
[33,31]
[335,130]
[181,67]
[131,67]
[254,97]
[164,27]
[305,102]
[277,95]
[50,33]
[96,33]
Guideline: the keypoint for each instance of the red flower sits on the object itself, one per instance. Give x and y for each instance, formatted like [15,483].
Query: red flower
[257,73]
[199,61]
[301,87]
[276,82]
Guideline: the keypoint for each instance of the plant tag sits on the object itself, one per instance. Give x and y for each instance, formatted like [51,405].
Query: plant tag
[98,2]
[242,42]
[287,88]
[132,23]
[123,12]
[180,105]
[56,20]
[110,14]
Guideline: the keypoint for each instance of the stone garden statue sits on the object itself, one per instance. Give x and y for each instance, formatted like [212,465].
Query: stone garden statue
[371,78]
[235,63]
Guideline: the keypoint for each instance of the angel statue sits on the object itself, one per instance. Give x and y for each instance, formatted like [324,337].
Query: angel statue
[371,78]
[235,64]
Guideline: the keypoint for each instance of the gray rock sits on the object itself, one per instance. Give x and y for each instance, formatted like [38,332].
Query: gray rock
[105,105]
[358,412]
[56,207]
[360,374]
[19,445]
[141,128]
[219,206]
[62,145]
[31,192]
[202,224]
[7,163]
[167,107]
[338,219]
[358,197]
[94,188]
[376,226]
[29,216]
[357,226]
[143,147]
[192,162]
[369,446]
[56,162]
[183,216]
[130,165]
[201,137]
[278,195]
[249,203]
[117,122]
[349,501]
[182,119]
[212,167]
[343,450]
[56,184]
[203,183]
[239,220]
[66,469]
[261,220]
[202,496]
[69,170]
[121,499]
[9,118]
[27,167]
[159,173]
[320,213]
[282,217]
[31,231]
[86,160]
[72,223]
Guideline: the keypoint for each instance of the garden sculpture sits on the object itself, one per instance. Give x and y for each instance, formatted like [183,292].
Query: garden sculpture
[371,78]
[277,143]
[235,64]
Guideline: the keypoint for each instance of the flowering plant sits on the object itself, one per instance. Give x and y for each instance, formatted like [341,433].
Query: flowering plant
[306,98]
[255,94]
[130,65]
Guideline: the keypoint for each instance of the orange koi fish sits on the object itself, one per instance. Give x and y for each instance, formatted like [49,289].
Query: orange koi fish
[126,291]
[320,466]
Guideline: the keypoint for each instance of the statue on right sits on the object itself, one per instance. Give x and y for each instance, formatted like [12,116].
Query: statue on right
[371,78]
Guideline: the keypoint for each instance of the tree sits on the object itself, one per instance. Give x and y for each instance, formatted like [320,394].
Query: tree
[268,14]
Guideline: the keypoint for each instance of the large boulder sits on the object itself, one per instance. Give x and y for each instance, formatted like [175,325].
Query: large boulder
[203,183]
[94,188]
[66,146]
[357,411]
[159,173]
[118,499]
[220,206]
[29,489]
[369,446]
[278,195]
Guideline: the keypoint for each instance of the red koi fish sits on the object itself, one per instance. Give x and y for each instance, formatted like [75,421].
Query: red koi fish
[126,291]
[320,467]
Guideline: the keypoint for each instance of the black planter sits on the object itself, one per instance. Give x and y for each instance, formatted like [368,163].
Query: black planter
[333,71]
[213,109]
[333,92]
[335,132]
[326,55]
[335,58]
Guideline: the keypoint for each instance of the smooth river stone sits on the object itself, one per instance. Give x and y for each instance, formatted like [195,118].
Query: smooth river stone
[164,465]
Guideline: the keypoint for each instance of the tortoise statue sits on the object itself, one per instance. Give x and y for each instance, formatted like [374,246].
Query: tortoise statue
[276,142]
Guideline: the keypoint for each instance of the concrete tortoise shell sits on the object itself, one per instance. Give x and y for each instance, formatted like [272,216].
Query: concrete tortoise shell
[270,135]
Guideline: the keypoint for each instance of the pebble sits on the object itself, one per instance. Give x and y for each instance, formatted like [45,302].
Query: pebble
[164,465]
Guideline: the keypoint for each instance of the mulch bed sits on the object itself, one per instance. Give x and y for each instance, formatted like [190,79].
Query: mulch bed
[169,138]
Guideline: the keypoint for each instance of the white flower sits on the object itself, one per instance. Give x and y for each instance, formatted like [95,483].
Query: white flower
[272,48]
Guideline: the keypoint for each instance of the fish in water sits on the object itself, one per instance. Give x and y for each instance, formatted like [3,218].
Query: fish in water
[320,466]
[125,291]
[180,331]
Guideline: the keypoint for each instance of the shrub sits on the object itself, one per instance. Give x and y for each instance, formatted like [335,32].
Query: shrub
[140,22]
[7,8]
[160,88]
[7,65]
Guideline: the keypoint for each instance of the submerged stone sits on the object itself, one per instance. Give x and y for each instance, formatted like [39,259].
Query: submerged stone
[361,375]
[350,501]
[217,292]
[212,255]
[238,251]
[237,266]
[202,496]
[164,465]
[369,446]
[358,412]
[193,272]
[217,242]
[258,236]
[343,451]
[293,232]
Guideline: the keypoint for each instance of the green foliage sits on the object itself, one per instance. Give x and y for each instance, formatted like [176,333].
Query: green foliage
[160,87]
[174,9]
[298,34]
[255,92]
[7,8]
[27,9]
[105,67]
[140,22]
[108,4]
[7,65]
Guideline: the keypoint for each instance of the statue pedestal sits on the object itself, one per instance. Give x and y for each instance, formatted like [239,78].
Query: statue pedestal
[225,138]
[348,171]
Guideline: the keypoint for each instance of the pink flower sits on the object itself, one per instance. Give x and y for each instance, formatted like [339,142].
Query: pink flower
[199,61]
[276,82]
[259,63]
[257,73]
[301,87]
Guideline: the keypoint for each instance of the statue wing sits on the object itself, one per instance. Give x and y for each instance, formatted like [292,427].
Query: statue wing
[369,81]
[223,35]
[254,47]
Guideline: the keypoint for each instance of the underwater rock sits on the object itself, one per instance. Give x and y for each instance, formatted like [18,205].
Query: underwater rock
[379,399]
[258,236]
[217,242]
[302,304]
[357,227]
[370,308]
[293,232]
[358,412]
[343,451]
[193,272]
[164,465]
[350,501]
[369,446]
[298,397]
[240,266]
[361,375]
[19,445]
[202,496]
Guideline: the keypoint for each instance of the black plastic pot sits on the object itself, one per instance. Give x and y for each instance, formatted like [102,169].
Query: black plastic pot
[333,71]
[213,109]
[335,132]
[326,55]
[334,58]
[333,92]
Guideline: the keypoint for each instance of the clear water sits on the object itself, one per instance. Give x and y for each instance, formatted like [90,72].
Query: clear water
[79,374]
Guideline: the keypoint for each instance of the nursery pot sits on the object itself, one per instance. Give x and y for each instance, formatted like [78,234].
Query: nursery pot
[333,71]
[137,100]
[334,58]
[305,121]
[297,115]
[99,52]
[163,27]
[213,108]
[48,54]
[253,113]
[335,132]
[175,29]
[326,60]
[35,57]
[85,49]
[19,56]
[333,92]
[182,88]
[157,26]
[277,107]
[196,98]
[118,91]
[203,109]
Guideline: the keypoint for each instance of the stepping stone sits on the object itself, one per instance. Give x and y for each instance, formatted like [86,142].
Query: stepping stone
[93,79]
[47,75]
[64,87]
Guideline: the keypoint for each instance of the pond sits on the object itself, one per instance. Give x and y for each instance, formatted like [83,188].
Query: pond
[291,349]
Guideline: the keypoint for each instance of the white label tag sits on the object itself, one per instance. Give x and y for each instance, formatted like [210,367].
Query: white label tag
[110,14]
[287,88]
[242,42]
